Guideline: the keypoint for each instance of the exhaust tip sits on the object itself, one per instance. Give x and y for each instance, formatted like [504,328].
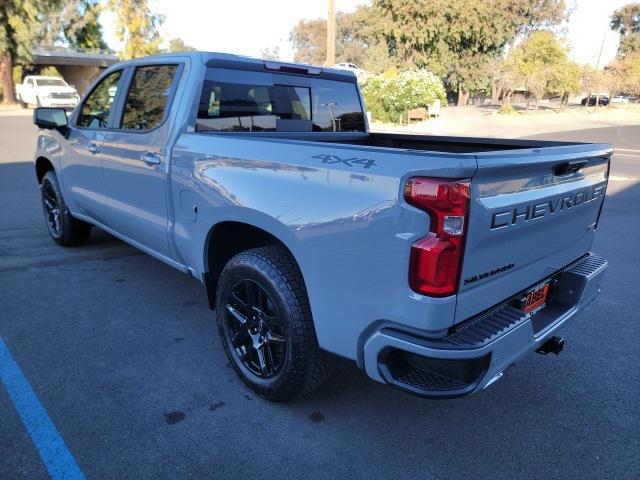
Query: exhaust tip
[554,345]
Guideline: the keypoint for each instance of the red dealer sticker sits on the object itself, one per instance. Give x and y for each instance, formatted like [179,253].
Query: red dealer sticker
[535,299]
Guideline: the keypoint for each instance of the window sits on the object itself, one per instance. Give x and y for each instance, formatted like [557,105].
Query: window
[336,107]
[244,107]
[50,82]
[96,108]
[247,107]
[148,96]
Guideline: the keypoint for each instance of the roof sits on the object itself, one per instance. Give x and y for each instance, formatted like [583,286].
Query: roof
[229,60]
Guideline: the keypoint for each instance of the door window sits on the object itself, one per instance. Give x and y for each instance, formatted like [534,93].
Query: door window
[97,107]
[148,97]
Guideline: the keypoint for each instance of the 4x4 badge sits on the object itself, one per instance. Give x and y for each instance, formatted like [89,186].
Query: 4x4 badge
[349,162]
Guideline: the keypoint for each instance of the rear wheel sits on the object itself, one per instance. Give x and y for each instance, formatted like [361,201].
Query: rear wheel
[265,325]
[63,227]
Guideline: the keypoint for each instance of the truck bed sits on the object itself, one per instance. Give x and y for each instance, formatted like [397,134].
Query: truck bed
[432,143]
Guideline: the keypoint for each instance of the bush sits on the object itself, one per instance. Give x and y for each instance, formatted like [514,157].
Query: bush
[507,110]
[390,95]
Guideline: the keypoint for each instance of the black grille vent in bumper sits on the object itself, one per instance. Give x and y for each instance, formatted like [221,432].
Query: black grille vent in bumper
[430,381]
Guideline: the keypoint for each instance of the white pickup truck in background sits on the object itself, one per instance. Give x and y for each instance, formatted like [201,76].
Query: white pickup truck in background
[47,92]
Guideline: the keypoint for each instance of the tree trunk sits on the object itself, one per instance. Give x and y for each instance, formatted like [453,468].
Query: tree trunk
[6,78]
[496,90]
[463,97]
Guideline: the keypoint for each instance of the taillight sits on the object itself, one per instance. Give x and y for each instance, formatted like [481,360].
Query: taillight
[434,267]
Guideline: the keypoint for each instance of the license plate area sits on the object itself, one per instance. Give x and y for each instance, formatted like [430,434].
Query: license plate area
[535,299]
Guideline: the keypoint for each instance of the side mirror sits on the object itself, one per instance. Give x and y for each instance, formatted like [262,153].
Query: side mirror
[50,118]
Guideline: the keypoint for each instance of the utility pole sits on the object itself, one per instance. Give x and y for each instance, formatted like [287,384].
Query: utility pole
[604,36]
[331,34]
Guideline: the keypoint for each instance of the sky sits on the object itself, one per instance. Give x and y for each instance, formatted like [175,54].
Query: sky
[246,27]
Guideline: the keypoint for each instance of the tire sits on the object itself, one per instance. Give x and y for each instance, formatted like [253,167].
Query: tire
[275,319]
[62,226]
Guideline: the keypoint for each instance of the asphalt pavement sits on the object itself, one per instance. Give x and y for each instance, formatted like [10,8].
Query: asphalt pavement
[122,353]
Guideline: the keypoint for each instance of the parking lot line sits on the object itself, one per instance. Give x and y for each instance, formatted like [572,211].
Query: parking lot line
[54,453]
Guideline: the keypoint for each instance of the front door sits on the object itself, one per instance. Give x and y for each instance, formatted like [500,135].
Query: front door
[134,158]
[83,182]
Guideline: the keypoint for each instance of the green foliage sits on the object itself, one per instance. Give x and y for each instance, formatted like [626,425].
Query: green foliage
[541,65]
[359,40]
[137,27]
[177,45]
[458,39]
[507,110]
[622,75]
[74,23]
[20,29]
[390,95]
[626,20]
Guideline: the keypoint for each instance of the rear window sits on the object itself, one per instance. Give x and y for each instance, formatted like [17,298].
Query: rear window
[271,104]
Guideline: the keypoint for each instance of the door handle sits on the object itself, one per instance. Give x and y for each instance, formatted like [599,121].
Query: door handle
[150,158]
[568,168]
[93,148]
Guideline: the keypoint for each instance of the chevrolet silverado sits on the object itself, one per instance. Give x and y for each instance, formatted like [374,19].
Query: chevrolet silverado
[434,263]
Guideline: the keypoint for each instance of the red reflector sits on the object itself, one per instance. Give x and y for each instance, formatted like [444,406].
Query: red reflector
[434,267]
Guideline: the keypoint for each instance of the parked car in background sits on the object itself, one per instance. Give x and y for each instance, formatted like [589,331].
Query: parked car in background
[352,68]
[620,99]
[603,100]
[47,92]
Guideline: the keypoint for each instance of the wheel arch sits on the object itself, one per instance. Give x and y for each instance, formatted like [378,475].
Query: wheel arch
[43,165]
[230,237]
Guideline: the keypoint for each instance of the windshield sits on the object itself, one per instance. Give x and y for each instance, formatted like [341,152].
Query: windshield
[50,82]
[253,102]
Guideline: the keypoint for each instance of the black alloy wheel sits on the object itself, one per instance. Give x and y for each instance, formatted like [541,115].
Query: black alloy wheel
[265,324]
[52,210]
[254,328]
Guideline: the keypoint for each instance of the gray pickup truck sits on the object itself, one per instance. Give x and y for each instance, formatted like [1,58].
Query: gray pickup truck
[434,263]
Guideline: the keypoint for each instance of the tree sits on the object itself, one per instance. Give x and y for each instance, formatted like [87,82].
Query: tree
[137,27]
[459,39]
[270,53]
[359,40]
[528,16]
[623,75]
[626,21]
[453,38]
[75,23]
[20,28]
[541,65]
[177,45]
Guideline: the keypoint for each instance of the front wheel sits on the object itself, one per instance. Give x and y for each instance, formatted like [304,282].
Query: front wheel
[265,325]
[63,227]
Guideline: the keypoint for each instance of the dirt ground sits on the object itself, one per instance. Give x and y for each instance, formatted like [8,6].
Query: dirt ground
[485,121]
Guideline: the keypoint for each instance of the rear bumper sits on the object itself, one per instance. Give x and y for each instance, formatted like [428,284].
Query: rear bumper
[475,354]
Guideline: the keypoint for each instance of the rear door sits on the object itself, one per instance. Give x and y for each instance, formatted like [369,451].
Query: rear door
[135,157]
[532,212]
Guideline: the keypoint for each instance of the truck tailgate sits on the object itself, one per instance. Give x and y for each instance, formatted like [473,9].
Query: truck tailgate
[532,212]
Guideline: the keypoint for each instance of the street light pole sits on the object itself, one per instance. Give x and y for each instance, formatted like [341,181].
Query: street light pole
[331,34]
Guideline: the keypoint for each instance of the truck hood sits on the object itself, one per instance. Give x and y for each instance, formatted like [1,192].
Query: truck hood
[46,90]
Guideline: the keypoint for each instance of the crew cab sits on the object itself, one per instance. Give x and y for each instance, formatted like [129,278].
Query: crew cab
[434,263]
[47,92]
